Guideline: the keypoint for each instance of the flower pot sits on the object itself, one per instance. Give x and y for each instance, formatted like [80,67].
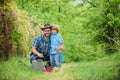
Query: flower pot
[48,69]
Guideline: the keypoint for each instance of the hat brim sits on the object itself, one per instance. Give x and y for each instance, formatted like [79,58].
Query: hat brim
[45,28]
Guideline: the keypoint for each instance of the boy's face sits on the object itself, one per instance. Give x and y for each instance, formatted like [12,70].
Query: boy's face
[53,31]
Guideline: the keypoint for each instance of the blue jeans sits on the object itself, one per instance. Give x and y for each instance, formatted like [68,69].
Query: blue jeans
[55,60]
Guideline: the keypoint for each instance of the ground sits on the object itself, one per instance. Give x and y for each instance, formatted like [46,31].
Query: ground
[61,75]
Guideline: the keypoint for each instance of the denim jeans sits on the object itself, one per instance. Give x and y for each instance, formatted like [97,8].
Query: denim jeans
[55,60]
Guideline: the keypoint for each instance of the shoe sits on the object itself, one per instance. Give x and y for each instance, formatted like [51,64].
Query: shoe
[60,69]
[57,69]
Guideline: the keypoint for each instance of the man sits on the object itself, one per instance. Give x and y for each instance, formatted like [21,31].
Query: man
[41,45]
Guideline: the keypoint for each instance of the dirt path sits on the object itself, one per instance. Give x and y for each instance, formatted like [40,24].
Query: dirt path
[61,75]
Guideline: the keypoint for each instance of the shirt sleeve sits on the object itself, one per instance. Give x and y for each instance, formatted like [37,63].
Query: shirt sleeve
[36,42]
[61,39]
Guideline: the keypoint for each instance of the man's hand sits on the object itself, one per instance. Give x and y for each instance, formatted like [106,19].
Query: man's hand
[36,52]
[40,55]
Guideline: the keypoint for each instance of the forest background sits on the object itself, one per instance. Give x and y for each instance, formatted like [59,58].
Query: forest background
[90,29]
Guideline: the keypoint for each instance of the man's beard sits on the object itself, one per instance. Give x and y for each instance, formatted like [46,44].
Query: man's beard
[46,35]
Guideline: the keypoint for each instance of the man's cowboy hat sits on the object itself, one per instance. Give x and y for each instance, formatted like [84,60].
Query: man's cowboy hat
[46,26]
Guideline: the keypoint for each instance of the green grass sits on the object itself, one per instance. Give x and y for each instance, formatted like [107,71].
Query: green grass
[92,71]
[102,69]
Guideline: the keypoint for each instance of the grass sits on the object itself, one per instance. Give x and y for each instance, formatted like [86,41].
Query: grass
[97,70]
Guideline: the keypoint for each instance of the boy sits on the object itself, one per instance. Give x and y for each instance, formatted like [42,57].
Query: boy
[57,46]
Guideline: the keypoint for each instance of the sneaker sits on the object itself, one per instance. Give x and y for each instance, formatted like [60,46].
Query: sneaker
[60,69]
[55,69]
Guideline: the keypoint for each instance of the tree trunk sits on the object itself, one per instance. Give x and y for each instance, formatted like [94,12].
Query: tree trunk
[6,37]
[2,2]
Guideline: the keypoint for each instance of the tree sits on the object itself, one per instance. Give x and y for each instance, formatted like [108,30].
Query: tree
[14,31]
[107,23]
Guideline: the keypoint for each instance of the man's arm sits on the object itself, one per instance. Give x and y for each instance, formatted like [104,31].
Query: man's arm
[36,52]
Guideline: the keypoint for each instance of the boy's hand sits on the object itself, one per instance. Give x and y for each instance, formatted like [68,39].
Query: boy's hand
[58,48]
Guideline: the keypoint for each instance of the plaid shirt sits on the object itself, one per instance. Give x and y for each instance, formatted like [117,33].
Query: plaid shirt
[42,45]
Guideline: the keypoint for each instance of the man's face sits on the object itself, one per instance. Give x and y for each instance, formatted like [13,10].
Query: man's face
[46,32]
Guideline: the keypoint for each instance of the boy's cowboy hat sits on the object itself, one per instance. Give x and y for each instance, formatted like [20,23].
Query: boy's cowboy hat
[46,26]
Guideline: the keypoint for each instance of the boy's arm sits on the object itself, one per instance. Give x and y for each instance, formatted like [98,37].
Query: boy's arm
[62,47]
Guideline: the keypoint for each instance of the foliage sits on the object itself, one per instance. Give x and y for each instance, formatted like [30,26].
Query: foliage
[84,27]
[88,28]
[102,69]
[106,22]
[20,28]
